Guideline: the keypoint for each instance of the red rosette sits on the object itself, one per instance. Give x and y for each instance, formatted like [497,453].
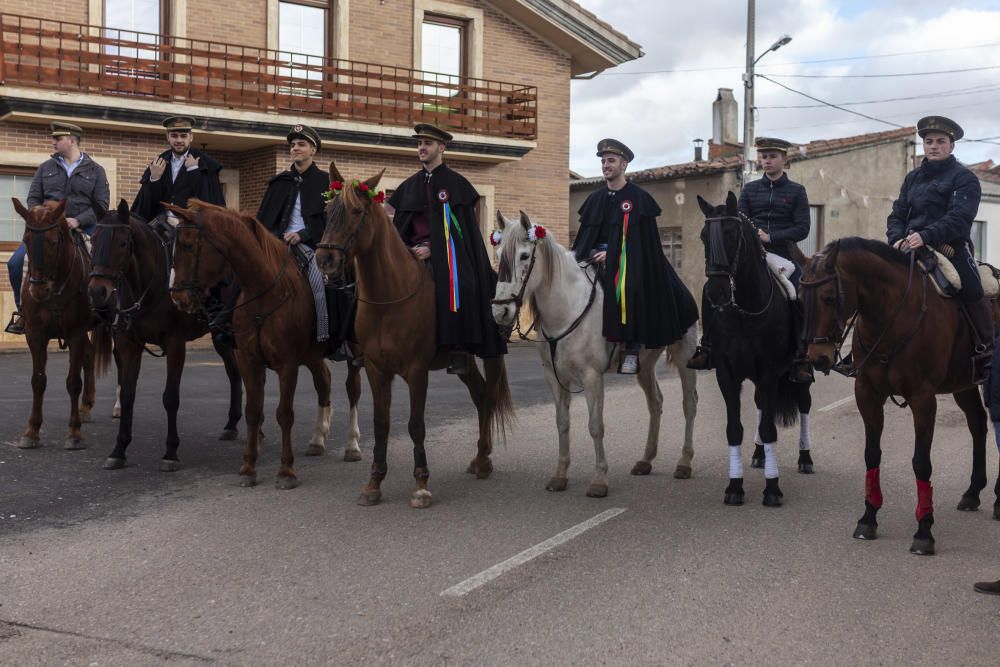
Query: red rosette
[363,187]
[336,185]
[540,232]
[380,197]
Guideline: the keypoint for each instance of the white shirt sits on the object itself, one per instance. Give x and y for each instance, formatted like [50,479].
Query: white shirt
[70,167]
[295,221]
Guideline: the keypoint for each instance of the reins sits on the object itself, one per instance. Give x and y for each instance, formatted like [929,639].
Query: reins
[732,267]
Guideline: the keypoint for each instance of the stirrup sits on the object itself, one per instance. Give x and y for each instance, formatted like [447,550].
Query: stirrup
[629,364]
[702,359]
[458,363]
[16,324]
[982,363]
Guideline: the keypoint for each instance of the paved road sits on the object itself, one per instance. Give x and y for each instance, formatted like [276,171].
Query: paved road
[141,567]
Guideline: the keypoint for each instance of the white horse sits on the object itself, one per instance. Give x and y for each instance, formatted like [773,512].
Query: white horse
[568,303]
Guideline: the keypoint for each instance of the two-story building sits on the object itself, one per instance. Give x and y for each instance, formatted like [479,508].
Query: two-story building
[495,73]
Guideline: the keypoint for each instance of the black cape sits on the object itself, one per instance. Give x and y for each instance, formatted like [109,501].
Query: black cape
[201,183]
[658,307]
[279,196]
[472,327]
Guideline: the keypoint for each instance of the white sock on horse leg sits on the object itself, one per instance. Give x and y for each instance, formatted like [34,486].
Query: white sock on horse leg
[770,461]
[803,430]
[756,431]
[735,462]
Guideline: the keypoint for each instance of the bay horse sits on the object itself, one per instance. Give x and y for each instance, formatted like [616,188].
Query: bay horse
[908,341]
[566,298]
[129,289]
[753,338]
[274,324]
[54,306]
[397,333]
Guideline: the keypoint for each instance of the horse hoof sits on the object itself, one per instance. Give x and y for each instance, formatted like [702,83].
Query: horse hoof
[229,434]
[922,547]
[733,498]
[246,481]
[642,468]
[597,491]
[169,465]
[73,443]
[968,504]
[865,531]
[481,470]
[421,499]
[682,472]
[806,468]
[772,500]
[757,463]
[352,455]
[557,484]
[369,498]
[315,450]
[111,463]
[286,483]
[28,443]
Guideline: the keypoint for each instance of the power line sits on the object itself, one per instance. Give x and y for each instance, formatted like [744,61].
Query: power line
[803,62]
[948,93]
[881,76]
[909,114]
[829,104]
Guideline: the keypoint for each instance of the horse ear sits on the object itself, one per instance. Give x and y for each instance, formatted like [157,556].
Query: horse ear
[335,173]
[705,207]
[19,207]
[373,181]
[525,220]
[123,213]
[830,263]
[796,253]
[501,221]
[731,204]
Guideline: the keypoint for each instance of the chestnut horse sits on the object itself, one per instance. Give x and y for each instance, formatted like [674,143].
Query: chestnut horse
[396,328]
[129,290]
[907,342]
[55,307]
[274,323]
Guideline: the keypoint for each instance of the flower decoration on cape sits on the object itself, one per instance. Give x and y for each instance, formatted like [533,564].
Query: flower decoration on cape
[496,238]
[336,187]
[536,233]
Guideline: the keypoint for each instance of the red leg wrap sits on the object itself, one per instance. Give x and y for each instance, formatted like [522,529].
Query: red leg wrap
[925,499]
[873,490]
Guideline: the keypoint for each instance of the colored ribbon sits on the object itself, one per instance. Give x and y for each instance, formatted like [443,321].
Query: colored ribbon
[622,270]
[449,216]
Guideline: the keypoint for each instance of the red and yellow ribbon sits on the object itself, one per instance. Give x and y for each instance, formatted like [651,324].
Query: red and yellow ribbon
[622,268]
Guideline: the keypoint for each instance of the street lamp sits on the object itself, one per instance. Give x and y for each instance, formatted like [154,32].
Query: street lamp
[748,133]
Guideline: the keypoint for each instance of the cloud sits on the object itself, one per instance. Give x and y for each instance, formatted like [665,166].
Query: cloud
[658,114]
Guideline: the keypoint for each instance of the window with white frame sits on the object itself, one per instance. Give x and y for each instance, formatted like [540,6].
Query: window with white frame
[138,21]
[810,245]
[978,237]
[14,182]
[442,53]
[302,34]
[672,244]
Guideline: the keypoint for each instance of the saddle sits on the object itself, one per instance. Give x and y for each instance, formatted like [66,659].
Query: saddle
[945,278]
[781,268]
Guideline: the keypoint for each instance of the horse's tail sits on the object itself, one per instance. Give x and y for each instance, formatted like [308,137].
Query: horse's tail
[787,409]
[501,416]
[101,339]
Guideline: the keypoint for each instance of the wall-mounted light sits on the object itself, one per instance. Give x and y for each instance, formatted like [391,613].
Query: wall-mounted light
[697,149]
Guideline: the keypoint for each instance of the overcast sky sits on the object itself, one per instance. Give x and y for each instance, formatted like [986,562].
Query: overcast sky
[659,113]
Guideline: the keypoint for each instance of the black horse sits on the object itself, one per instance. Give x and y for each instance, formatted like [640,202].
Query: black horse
[753,338]
[129,287]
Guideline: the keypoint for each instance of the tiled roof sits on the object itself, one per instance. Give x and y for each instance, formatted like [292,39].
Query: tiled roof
[813,149]
[986,171]
[604,24]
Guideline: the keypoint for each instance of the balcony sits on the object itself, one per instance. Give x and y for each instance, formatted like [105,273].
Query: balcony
[80,58]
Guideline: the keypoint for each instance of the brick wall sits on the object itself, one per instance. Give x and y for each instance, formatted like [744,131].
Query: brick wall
[240,22]
[75,11]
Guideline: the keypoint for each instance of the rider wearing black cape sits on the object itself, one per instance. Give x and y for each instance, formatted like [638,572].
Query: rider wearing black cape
[456,253]
[645,302]
[201,181]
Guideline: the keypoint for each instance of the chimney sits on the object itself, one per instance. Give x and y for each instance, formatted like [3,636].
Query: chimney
[725,118]
[697,149]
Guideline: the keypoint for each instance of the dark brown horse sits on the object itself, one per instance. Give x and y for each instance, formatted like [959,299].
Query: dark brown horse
[274,323]
[396,329]
[55,307]
[129,288]
[907,342]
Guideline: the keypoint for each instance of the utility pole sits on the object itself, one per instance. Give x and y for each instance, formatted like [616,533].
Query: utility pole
[748,161]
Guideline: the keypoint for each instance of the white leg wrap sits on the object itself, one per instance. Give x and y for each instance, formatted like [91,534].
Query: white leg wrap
[770,461]
[735,462]
[756,430]
[803,431]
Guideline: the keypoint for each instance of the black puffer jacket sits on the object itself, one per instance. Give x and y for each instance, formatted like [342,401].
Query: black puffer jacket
[939,199]
[780,208]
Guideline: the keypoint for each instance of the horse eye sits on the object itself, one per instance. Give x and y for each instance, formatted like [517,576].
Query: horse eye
[524,256]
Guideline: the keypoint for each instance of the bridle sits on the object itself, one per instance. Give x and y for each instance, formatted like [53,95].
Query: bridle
[345,249]
[518,298]
[38,260]
[714,268]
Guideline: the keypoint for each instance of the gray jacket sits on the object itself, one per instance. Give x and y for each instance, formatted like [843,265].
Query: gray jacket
[88,180]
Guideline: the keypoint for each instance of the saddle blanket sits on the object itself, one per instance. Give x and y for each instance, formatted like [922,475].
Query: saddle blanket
[782,268]
[989,275]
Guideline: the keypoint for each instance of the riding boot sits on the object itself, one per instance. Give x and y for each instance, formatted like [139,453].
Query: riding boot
[629,363]
[702,359]
[987,587]
[981,318]
[336,347]
[459,362]
[802,371]
[16,324]
[221,324]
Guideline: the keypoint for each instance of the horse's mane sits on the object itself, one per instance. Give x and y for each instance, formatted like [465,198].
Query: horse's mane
[878,248]
[549,251]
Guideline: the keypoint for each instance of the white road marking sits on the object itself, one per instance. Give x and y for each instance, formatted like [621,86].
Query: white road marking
[837,404]
[488,575]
